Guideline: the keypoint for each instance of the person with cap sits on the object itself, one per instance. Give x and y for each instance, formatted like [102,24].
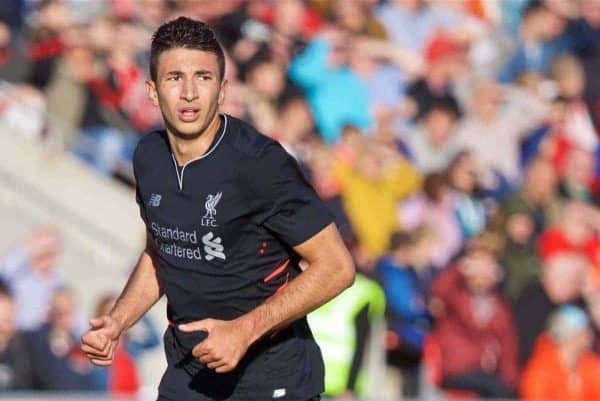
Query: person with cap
[563,367]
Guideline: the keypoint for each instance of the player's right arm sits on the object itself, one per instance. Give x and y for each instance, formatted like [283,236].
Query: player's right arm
[140,293]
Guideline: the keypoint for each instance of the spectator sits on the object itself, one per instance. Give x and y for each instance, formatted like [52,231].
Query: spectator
[67,91]
[16,372]
[370,191]
[546,141]
[575,232]
[30,272]
[22,108]
[474,325]
[519,257]
[405,273]
[409,23]
[471,211]
[294,126]
[494,127]
[590,55]
[57,360]
[563,366]
[579,175]
[123,108]
[385,69]
[320,164]
[356,17]
[358,315]
[537,42]
[561,282]
[567,74]
[266,85]
[322,71]
[435,209]
[537,196]
[444,58]
[47,40]
[432,145]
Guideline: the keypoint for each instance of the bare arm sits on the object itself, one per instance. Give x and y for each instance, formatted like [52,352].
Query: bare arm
[141,292]
[330,270]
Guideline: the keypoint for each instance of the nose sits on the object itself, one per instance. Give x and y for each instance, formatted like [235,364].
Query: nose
[189,91]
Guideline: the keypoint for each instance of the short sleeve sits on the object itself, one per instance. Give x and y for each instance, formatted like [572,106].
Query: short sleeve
[138,194]
[282,199]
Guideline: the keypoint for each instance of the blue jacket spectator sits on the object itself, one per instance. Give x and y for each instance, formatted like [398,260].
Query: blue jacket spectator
[336,95]
[405,274]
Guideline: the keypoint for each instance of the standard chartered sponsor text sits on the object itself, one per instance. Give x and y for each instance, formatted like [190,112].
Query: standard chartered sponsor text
[174,234]
[187,246]
[180,251]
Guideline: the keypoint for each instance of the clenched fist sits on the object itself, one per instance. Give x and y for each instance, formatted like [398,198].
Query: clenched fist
[100,341]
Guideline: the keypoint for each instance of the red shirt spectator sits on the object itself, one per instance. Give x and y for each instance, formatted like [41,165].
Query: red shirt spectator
[475,328]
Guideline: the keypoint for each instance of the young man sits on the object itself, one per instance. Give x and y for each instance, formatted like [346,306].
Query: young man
[229,217]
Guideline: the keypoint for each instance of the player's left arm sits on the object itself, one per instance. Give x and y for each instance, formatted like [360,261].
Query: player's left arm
[330,270]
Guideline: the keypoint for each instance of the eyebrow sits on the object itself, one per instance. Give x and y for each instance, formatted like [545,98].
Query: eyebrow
[198,72]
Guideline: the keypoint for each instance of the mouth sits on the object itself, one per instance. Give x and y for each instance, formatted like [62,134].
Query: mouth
[188,114]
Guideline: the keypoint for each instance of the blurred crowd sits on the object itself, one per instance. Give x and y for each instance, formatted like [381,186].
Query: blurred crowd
[41,323]
[456,142]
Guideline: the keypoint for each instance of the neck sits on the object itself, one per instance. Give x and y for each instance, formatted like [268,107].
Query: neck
[186,149]
[569,358]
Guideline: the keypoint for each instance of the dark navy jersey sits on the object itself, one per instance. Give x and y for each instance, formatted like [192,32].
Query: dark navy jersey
[224,226]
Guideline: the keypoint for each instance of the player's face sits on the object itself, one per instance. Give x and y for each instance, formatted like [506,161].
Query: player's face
[188,89]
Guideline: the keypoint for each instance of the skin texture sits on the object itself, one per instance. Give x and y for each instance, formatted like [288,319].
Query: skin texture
[189,78]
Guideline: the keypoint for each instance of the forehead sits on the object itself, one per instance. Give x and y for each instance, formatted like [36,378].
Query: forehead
[187,61]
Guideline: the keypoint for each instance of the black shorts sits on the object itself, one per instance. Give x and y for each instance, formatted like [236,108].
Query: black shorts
[287,369]
[176,385]
[161,398]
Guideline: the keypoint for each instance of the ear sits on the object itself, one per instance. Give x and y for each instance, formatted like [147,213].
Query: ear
[152,93]
[223,91]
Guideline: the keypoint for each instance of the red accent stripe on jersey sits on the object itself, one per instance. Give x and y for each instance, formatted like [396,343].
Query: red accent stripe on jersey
[277,271]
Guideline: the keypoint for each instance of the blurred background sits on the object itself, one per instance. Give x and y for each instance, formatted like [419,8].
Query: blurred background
[456,142]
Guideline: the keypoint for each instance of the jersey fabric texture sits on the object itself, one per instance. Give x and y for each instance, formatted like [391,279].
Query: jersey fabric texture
[224,226]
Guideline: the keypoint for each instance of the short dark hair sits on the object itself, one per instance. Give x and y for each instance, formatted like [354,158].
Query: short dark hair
[186,33]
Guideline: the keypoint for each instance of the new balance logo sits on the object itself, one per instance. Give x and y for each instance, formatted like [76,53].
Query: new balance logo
[279,393]
[213,247]
[155,200]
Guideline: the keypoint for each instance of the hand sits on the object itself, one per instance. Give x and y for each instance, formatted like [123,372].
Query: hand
[100,341]
[226,344]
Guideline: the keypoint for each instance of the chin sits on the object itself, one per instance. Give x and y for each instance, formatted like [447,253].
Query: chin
[188,130]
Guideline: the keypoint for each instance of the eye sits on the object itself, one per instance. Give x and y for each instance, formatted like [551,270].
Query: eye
[204,77]
[173,78]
